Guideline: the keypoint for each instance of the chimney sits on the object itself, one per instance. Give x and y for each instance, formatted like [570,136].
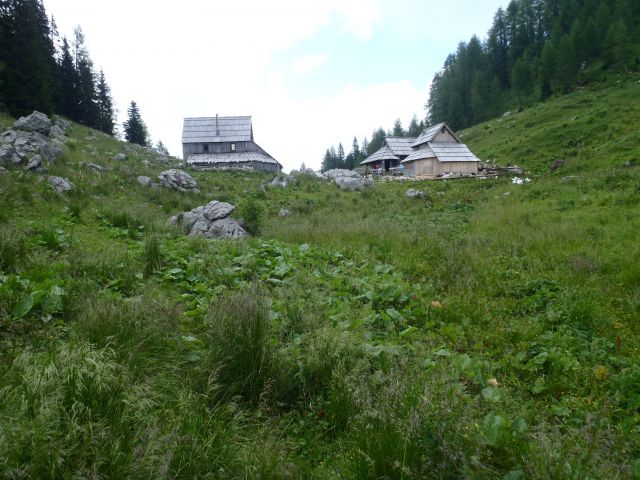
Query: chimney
[217,128]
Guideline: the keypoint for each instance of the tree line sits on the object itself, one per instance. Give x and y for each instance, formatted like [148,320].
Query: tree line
[40,70]
[534,49]
[336,158]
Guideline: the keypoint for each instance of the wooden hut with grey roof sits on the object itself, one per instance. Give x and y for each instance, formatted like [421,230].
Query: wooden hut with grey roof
[222,143]
[390,154]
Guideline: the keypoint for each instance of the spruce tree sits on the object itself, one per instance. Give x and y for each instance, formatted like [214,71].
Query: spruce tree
[414,127]
[68,80]
[398,131]
[26,57]
[105,106]
[135,131]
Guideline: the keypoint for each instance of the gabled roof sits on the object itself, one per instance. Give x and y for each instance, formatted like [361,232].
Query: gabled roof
[400,146]
[384,153]
[393,148]
[444,152]
[217,129]
[428,134]
[236,157]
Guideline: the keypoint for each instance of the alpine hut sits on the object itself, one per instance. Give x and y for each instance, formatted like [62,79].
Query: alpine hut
[390,154]
[438,151]
[222,143]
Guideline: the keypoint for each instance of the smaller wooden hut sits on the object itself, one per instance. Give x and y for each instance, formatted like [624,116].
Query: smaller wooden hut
[438,151]
[390,154]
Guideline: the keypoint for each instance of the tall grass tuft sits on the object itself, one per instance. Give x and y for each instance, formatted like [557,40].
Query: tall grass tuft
[238,338]
[12,249]
[151,256]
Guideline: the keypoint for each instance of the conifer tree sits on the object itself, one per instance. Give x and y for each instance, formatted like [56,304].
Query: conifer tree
[105,106]
[26,57]
[135,131]
[398,131]
[68,81]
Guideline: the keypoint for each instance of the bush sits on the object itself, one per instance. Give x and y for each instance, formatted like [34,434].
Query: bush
[252,214]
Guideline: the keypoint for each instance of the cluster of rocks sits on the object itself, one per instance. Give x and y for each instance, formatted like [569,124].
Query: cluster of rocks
[212,220]
[33,141]
[348,179]
[282,182]
[414,193]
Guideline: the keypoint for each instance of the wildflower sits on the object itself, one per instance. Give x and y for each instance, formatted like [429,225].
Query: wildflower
[436,304]
[601,372]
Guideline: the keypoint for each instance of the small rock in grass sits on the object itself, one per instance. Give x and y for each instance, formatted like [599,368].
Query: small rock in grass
[60,184]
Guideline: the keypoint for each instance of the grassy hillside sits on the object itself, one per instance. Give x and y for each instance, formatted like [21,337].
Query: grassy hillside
[487,330]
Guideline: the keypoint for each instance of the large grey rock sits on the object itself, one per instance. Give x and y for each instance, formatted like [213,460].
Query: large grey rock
[413,193]
[8,155]
[210,221]
[284,212]
[216,210]
[36,122]
[349,183]
[8,136]
[340,172]
[226,228]
[3,170]
[178,180]
[120,157]
[60,184]
[51,150]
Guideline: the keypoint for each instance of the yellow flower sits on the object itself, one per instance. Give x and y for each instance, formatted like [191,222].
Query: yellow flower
[436,304]
[601,372]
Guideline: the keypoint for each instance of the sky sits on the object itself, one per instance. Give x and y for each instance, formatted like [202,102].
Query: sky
[310,73]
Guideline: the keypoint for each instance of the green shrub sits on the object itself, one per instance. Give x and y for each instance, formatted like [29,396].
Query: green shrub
[151,256]
[252,213]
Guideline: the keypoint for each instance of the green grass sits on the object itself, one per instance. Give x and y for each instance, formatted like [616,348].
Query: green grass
[488,330]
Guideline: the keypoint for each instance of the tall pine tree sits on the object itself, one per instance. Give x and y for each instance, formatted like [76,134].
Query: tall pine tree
[135,131]
[105,106]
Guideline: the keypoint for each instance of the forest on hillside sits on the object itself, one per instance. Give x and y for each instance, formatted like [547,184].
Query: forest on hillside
[42,70]
[534,49]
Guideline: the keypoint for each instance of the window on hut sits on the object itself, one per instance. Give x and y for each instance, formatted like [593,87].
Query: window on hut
[206,147]
[233,147]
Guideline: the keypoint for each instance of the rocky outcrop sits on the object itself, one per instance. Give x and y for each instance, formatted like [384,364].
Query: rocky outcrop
[210,221]
[120,157]
[36,122]
[33,135]
[284,212]
[60,184]
[178,180]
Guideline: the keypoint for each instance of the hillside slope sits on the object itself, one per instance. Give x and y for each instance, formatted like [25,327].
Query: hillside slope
[486,330]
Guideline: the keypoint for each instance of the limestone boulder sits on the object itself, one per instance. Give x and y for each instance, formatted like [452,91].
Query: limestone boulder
[176,179]
[36,122]
[210,221]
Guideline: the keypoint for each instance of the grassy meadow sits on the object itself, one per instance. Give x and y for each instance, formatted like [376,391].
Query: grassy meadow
[487,330]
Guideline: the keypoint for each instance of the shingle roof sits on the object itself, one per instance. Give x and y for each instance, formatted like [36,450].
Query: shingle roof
[384,153]
[238,157]
[428,134]
[420,154]
[400,146]
[444,152]
[229,129]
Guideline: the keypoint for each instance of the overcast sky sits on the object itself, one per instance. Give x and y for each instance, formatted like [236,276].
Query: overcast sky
[311,74]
